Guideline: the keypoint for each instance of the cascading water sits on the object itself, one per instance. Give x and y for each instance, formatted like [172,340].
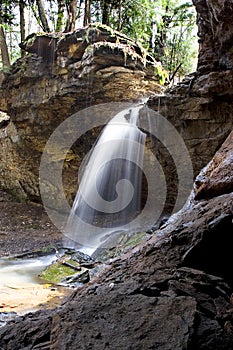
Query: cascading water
[108,200]
[109,195]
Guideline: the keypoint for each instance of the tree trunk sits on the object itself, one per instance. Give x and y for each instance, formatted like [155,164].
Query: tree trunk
[22,24]
[119,15]
[42,15]
[105,12]
[87,14]
[4,48]
[72,12]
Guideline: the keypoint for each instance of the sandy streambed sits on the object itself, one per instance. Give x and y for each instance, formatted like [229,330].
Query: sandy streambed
[22,291]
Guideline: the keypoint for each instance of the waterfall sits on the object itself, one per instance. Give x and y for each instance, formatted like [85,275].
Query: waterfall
[109,194]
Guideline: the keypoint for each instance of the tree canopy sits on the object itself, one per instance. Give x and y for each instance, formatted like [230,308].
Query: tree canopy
[165,27]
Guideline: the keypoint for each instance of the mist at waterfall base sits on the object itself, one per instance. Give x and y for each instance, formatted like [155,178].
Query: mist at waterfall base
[109,195]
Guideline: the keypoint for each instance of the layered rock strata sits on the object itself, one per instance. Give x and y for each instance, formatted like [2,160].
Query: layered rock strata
[61,75]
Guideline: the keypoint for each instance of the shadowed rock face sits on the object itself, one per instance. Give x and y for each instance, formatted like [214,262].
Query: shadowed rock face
[215,31]
[217,177]
[173,291]
[200,106]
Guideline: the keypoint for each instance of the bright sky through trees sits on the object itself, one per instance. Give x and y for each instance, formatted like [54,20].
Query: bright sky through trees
[164,27]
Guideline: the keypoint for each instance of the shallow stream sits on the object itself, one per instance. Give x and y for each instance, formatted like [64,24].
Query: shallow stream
[21,290]
[17,271]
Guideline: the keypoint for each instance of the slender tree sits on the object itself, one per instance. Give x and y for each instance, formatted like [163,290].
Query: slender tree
[87,12]
[105,7]
[119,15]
[5,19]
[4,49]
[71,15]
[42,16]
[22,23]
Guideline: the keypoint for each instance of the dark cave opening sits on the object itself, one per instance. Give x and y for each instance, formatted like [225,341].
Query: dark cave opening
[214,254]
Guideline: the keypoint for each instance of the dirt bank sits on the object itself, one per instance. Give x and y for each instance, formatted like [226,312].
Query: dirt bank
[25,227]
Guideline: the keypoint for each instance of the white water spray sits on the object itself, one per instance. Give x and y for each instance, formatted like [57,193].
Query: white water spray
[109,194]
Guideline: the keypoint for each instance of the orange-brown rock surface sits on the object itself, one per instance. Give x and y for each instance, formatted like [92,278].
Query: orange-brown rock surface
[217,177]
[61,75]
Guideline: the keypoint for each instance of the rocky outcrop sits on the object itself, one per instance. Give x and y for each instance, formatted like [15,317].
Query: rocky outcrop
[201,105]
[61,75]
[215,31]
[172,292]
[217,177]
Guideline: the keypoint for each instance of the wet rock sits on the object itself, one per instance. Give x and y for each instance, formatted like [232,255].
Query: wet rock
[82,258]
[37,334]
[4,119]
[75,280]
[113,247]
[69,269]
[97,269]
[6,317]
[217,177]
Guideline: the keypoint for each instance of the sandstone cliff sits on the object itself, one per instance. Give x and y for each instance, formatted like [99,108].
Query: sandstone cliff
[61,75]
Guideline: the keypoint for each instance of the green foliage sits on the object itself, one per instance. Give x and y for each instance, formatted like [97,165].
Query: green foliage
[161,73]
[164,27]
[6,11]
[175,39]
[137,17]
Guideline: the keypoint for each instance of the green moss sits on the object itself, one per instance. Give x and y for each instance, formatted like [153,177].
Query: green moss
[135,239]
[48,248]
[56,272]
[127,50]
[6,69]
[161,73]
[99,27]
[103,27]
[34,226]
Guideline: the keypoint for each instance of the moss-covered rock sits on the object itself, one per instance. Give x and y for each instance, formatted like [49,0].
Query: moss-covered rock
[69,270]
